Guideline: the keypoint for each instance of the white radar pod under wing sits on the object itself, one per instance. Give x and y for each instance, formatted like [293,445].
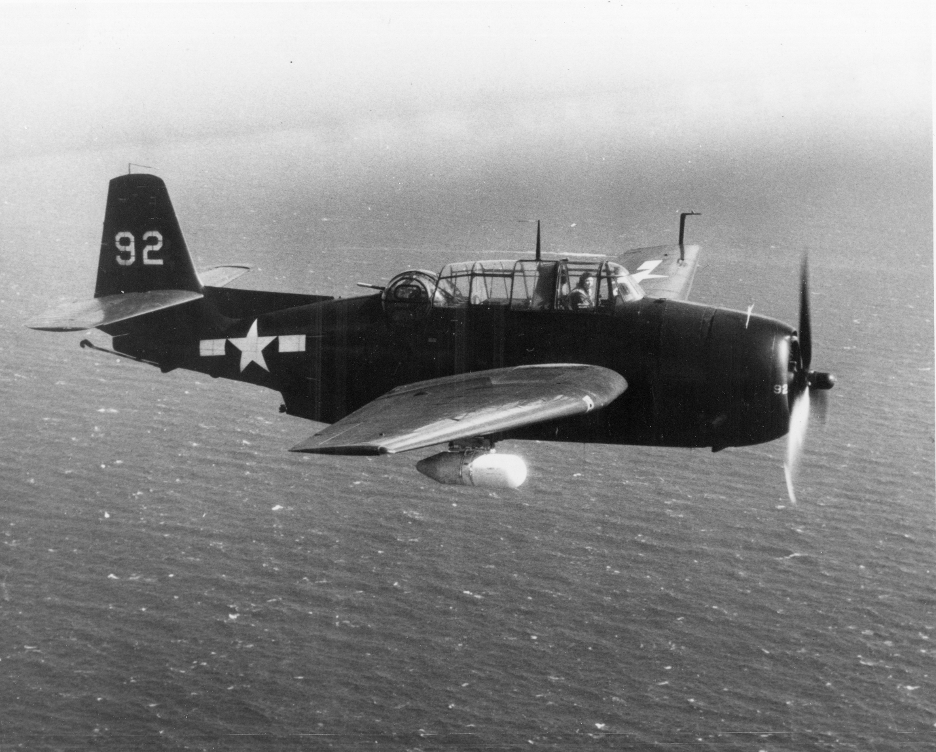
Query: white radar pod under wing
[432,412]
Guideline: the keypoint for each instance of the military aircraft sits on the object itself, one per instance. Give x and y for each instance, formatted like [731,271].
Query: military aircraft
[584,349]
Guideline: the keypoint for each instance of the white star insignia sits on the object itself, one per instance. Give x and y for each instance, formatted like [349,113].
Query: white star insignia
[251,348]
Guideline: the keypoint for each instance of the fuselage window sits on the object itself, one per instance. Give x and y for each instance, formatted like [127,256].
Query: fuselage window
[491,282]
[483,283]
[454,286]
[534,285]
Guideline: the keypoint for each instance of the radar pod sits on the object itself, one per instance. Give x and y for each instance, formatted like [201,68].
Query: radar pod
[483,468]
[805,387]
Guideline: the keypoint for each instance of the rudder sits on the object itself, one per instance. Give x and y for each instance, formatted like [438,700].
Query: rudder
[142,247]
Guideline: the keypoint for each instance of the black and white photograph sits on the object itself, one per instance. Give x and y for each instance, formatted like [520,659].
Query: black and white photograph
[467,375]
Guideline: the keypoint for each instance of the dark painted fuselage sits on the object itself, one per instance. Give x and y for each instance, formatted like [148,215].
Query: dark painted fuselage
[697,376]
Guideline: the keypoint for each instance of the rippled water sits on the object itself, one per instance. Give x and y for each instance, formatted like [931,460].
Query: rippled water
[172,577]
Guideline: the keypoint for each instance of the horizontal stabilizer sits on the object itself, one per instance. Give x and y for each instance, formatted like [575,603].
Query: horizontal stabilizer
[88,314]
[219,276]
[466,406]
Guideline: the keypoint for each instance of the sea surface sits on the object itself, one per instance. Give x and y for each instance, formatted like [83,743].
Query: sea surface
[171,577]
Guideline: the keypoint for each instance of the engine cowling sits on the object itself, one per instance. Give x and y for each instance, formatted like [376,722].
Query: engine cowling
[483,469]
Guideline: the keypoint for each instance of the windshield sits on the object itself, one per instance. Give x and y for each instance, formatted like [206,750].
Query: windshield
[627,286]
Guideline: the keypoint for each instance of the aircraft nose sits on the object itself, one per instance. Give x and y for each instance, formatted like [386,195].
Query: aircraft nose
[750,359]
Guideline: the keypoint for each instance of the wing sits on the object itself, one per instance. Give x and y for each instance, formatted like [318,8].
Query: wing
[472,404]
[663,271]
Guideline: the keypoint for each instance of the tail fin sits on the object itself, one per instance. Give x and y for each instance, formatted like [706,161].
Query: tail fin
[142,248]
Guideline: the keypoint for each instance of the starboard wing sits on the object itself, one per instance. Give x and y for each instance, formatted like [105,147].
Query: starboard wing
[468,405]
[663,271]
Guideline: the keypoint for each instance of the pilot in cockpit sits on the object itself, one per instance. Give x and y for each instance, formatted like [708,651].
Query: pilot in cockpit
[582,298]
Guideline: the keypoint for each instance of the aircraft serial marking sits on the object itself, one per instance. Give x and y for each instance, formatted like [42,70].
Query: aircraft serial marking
[126,244]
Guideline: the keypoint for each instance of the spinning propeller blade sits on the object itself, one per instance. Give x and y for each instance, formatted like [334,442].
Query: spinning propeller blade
[796,440]
[819,401]
[805,329]
[805,387]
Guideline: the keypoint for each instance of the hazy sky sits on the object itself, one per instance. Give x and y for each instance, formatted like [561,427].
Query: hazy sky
[91,76]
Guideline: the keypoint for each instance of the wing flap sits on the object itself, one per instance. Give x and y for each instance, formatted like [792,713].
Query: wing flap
[475,404]
[79,315]
[663,271]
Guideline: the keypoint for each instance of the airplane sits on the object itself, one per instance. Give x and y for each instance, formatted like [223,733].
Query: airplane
[575,349]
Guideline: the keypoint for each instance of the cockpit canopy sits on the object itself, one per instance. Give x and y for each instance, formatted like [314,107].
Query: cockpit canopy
[596,286]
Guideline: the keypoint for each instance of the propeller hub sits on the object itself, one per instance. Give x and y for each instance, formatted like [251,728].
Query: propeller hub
[821,380]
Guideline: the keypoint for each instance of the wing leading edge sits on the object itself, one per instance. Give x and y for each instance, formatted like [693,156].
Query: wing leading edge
[468,405]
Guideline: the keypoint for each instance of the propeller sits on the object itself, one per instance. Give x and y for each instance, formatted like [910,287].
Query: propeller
[806,387]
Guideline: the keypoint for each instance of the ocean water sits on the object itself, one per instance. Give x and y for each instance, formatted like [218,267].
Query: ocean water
[172,578]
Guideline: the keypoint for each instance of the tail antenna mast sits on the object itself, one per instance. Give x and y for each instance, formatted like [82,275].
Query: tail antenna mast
[537,240]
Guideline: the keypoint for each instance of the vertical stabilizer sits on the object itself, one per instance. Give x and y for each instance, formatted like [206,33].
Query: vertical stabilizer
[142,247]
